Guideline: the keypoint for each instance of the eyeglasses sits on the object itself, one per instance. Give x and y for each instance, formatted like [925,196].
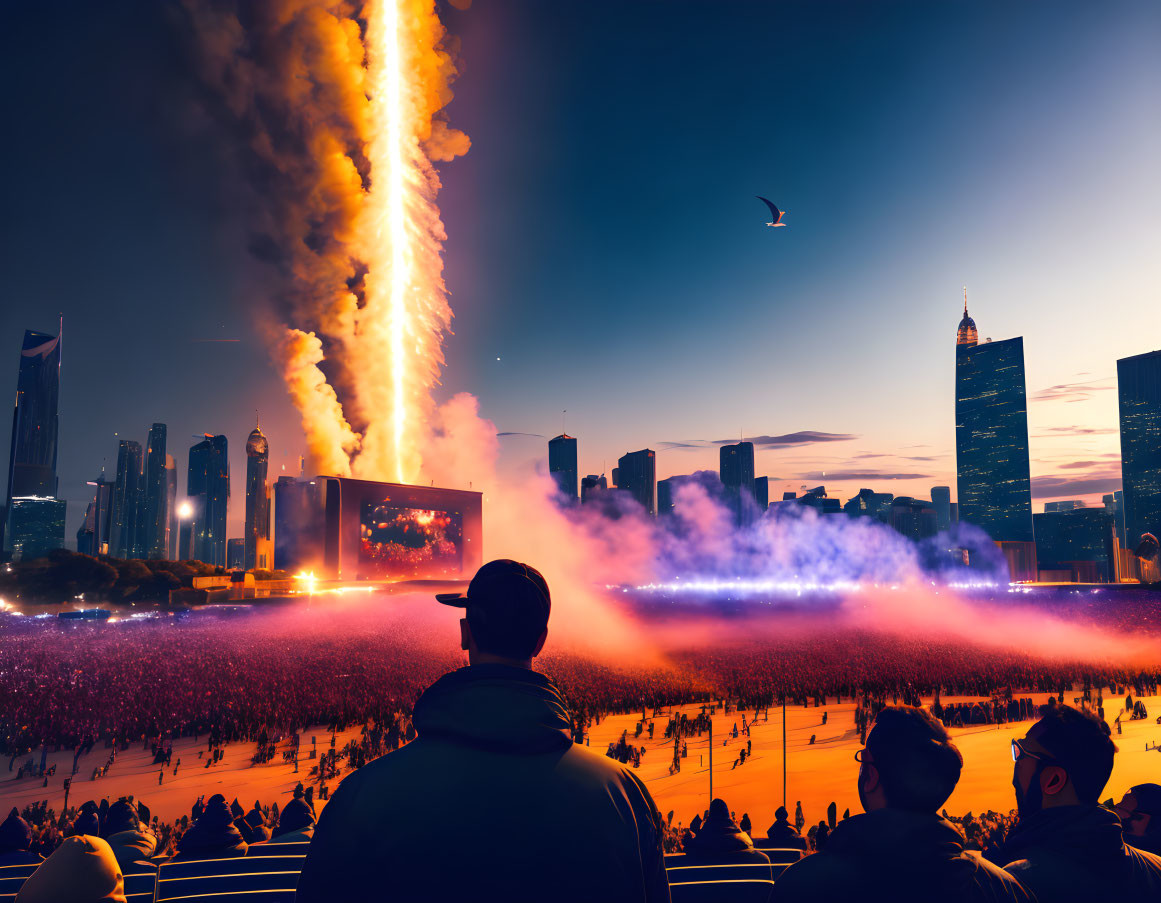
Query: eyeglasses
[1019,752]
[861,757]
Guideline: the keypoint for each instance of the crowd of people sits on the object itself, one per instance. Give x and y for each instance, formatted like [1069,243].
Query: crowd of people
[502,744]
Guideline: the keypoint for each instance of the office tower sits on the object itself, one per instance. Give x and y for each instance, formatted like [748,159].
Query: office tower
[93,535]
[869,503]
[737,476]
[1139,388]
[914,518]
[37,526]
[817,499]
[991,440]
[236,554]
[562,464]
[171,525]
[208,490]
[592,485]
[33,451]
[762,492]
[1114,504]
[126,501]
[665,491]
[1064,505]
[257,539]
[154,541]
[637,475]
[941,499]
[1076,545]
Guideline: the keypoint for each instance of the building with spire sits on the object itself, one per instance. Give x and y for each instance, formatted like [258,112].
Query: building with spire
[562,465]
[32,478]
[258,551]
[991,443]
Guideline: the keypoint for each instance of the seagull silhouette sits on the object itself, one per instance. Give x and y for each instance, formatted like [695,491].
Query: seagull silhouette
[774,212]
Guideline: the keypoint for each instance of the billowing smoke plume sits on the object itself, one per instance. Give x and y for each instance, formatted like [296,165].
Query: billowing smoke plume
[337,109]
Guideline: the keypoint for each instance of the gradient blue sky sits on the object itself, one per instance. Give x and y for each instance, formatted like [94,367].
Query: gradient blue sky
[606,245]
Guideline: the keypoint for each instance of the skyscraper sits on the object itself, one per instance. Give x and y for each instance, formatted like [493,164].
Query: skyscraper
[562,464]
[1139,389]
[171,526]
[637,475]
[941,499]
[991,436]
[93,536]
[257,537]
[737,475]
[33,452]
[592,486]
[154,541]
[1115,507]
[762,492]
[208,489]
[126,515]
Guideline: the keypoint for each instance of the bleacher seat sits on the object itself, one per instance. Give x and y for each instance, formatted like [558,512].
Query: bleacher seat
[274,848]
[244,879]
[700,882]
[12,878]
[778,855]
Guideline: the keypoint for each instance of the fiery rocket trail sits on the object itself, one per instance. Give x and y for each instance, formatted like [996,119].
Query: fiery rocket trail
[340,114]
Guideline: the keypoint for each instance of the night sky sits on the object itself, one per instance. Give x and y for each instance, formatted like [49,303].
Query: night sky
[604,241]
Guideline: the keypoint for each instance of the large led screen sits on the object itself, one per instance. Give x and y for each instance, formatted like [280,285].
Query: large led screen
[397,542]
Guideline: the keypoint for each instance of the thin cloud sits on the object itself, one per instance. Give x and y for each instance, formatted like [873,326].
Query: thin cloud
[1076,465]
[1054,432]
[1057,487]
[790,440]
[841,475]
[533,435]
[1073,392]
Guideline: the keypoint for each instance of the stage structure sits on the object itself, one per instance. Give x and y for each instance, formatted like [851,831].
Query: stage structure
[343,529]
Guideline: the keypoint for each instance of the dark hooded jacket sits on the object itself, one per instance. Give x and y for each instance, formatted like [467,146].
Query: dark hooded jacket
[133,844]
[785,835]
[492,801]
[16,841]
[213,836]
[1077,853]
[905,857]
[720,841]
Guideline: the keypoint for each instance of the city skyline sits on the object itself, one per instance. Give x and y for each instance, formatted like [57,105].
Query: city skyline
[828,337]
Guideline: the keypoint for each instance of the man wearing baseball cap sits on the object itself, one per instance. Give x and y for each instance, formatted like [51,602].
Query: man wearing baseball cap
[493,800]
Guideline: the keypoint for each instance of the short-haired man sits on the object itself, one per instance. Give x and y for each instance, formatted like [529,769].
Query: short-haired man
[536,816]
[901,849]
[1065,846]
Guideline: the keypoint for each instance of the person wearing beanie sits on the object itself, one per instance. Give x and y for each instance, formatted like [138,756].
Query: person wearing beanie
[132,842]
[295,823]
[83,869]
[213,836]
[782,834]
[1140,814]
[16,841]
[87,821]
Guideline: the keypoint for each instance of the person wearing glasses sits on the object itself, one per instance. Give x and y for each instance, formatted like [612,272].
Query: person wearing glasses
[1065,846]
[901,849]
[1140,814]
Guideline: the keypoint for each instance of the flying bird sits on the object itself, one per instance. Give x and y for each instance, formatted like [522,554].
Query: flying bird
[774,212]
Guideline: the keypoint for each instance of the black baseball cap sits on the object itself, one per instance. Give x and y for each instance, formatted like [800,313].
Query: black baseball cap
[507,604]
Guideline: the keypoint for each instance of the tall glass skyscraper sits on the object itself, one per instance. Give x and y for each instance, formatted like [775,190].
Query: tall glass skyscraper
[155,514]
[562,464]
[1139,388]
[125,529]
[991,435]
[208,488]
[32,457]
[257,553]
[737,476]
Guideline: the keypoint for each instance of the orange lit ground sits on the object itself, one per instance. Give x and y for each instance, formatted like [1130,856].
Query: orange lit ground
[817,774]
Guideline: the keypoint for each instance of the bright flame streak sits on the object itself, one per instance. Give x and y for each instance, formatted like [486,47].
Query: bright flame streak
[397,319]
